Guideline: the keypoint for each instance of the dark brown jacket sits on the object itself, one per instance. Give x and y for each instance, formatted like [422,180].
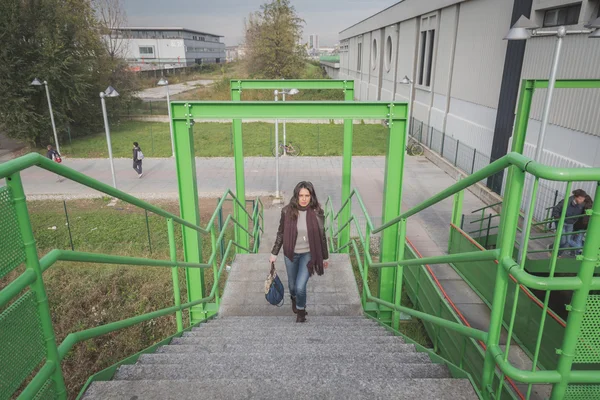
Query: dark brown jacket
[279,238]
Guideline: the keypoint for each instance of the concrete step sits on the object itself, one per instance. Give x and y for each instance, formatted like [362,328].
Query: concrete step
[273,357]
[292,329]
[290,340]
[284,388]
[285,320]
[310,371]
[315,349]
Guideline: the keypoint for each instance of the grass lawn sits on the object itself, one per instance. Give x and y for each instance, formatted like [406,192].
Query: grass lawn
[214,140]
[85,295]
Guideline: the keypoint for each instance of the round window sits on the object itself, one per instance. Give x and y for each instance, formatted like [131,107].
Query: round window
[388,53]
[374,54]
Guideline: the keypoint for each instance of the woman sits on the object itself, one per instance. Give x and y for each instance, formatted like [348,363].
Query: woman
[137,159]
[302,234]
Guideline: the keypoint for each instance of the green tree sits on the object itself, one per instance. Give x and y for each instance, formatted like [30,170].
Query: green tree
[272,42]
[57,41]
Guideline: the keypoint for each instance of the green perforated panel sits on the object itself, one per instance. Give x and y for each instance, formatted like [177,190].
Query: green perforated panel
[47,392]
[582,392]
[588,345]
[21,343]
[12,251]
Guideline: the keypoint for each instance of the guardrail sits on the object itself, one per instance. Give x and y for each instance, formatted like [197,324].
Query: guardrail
[579,345]
[26,322]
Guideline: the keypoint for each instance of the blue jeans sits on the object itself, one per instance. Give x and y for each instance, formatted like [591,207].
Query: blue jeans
[297,272]
[570,240]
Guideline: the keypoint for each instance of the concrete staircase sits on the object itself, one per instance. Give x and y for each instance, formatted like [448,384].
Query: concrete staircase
[275,358]
[257,351]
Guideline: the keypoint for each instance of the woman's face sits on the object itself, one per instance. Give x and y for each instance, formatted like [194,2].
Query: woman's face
[303,197]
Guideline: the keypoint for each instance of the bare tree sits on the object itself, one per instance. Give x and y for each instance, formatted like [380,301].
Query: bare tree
[111,18]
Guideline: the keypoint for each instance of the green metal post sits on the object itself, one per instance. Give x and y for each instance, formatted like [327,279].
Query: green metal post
[344,236]
[522,118]
[399,273]
[148,231]
[190,211]
[589,260]
[457,212]
[392,201]
[213,245]
[506,238]
[33,263]
[175,273]
[366,251]
[240,184]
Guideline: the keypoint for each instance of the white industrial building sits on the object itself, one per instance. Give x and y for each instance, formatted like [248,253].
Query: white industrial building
[164,48]
[466,77]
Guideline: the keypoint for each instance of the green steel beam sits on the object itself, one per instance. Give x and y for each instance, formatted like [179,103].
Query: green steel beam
[240,182]
[566,83]
[346,172]
[185,161]
[300,84]
[287,110]
[392,202]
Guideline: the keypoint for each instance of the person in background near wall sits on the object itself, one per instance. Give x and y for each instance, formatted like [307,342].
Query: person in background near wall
[582,223]
[54,156]
[302,234]
[138,156]
[573,212]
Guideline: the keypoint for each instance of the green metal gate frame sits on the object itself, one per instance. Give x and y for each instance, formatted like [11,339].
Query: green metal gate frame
[184,114]
[239,85]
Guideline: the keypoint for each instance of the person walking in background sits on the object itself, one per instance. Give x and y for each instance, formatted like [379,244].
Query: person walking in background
[574,210]
[54,156]
[582,224]
[138,156]
[302,234]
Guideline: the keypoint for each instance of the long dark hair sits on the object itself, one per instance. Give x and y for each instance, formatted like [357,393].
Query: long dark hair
[294,203]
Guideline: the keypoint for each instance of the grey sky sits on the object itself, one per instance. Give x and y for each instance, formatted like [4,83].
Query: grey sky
[325,18]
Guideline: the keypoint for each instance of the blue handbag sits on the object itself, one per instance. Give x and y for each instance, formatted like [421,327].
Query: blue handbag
[274,292]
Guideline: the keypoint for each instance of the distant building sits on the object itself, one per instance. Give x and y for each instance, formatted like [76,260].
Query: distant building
[313,43]
[234,53]
[165,48]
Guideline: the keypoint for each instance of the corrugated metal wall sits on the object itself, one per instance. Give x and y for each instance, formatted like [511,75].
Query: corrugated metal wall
[576,109]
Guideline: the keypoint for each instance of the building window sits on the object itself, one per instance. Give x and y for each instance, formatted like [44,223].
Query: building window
[359,57]
[562,16]
[426,47]
[374,54]
[388,53]
[147,51]
[202,39]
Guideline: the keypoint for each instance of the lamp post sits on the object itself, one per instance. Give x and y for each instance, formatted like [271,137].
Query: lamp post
[407,81]
[164,82]
[523,29]
[277,196]
[109,92]
[36,82]
[291,92]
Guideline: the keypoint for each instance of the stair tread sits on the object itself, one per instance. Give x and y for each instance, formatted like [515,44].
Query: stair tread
[316,348]
[284,387]
[252,370]
[263,357]
[296,339]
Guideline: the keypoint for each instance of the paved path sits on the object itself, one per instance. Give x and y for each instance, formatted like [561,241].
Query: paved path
[160,92]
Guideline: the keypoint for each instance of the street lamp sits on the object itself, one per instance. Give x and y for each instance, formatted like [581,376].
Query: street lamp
[36,82]
[164,82]
[407,81]
[290,92]
[109,92]
[523,29]
[277,196]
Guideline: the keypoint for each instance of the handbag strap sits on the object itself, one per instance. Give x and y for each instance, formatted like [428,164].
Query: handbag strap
[272,269]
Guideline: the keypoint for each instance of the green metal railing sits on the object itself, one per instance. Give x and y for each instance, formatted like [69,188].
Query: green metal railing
[580,344]
[26,326]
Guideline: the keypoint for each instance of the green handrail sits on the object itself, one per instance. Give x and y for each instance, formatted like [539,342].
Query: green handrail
[32,275]
[518,165]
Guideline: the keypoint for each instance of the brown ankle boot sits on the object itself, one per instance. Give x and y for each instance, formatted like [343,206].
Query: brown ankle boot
[301,316]
[294,309]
